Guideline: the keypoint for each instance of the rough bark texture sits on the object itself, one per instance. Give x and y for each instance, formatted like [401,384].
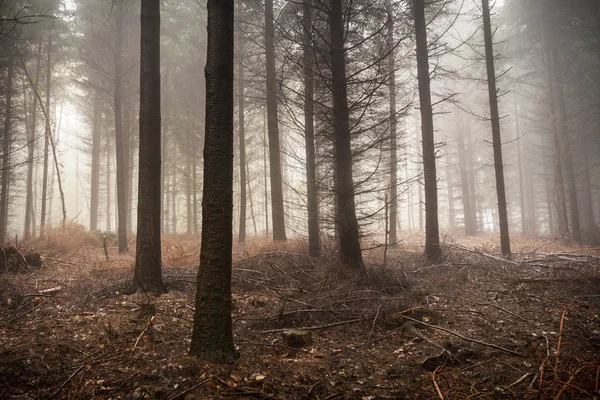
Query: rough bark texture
[277,209]
[345,215]
[95,175]
[314,239]
[496,137]
[393,239]
[212,336]
[148,273]
[120,151]
[432,232]
[6,145]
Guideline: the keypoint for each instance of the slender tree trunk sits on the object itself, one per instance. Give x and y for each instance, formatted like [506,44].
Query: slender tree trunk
[174,192]
[6,146]
[252,214]
[31,140]
[563,129]
[450,189]
[496,137]
[393,237]
[164,216]
[46,136]
[265,171]
[559,188]
[108,186]
[241,135]
[419,184]
[345,217]
[470,223]
[277,208]
[212,336]
[522,196]
[148,273]
[314,239]
[120,151]
[128,151]
[432,233]
[195,188]
[95,175]
[188,193]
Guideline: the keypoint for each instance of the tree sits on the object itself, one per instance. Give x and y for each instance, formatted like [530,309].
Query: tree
[432,233]
[95,173]
[393,127]
[273,128]
[241,134]
[212,336]
[314,240]
[496,137]
[6,146]
[148,273]
[345,217]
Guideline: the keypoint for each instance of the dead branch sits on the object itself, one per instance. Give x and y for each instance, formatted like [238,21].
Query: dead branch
[516,353]
[316,327]
[202,382]
[142,334]
[65,382]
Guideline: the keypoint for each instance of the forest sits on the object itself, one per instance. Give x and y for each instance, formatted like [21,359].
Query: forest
[300,199]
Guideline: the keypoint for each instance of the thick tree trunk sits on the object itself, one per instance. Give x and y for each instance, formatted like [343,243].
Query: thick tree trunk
[345,217]
[432,233]
[6,146]
[277,208]
[212,336]
[314,239]
[241,137]
[496,137]
[31,140]
[148,273]
[95,173]
[120,151]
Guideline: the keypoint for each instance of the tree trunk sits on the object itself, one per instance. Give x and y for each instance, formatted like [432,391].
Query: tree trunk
[46,136]
[6,146]
[277,209]
[559,188]
[265,172]
[128,151]
[195,188]
[212,336]
[522,196]
[432,233]
[148,273]
[120,151]
[393,237]
[31,140]
[468,209]
[174,192]
[496,137]
[450,189]
[163,159]
[95,174]
[188,193]
[345,217]
[108,186]
[241,136]
[563,129]
[314,239]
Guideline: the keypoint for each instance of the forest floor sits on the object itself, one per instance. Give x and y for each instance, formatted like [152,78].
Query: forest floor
[472,326]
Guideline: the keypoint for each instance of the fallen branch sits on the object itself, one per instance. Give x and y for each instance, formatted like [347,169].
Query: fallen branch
[142,334]
[316,327]
[516,353]
[202,382]
[65,382]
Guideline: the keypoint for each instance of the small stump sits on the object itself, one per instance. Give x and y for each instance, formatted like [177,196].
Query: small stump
[297,338]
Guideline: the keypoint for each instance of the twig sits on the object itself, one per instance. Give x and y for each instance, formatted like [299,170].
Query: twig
[142,334]
[202,382]
[499,308]
[559,343]
[65,382]
[437,388]
[521,379]
[373,324]
[516,353]
[315,327]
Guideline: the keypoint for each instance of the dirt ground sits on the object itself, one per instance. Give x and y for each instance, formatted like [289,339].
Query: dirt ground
[472,326]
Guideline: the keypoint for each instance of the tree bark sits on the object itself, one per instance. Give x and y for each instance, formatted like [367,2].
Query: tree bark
[31,140]
[241,135]
[46,136]
[148,273]
[393,237]
[120,151]
[212,336]
[277,208]
[314,239]
[432,233]
[468,209]
[95,173]
[345,217]
[6,146]
[496,137]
